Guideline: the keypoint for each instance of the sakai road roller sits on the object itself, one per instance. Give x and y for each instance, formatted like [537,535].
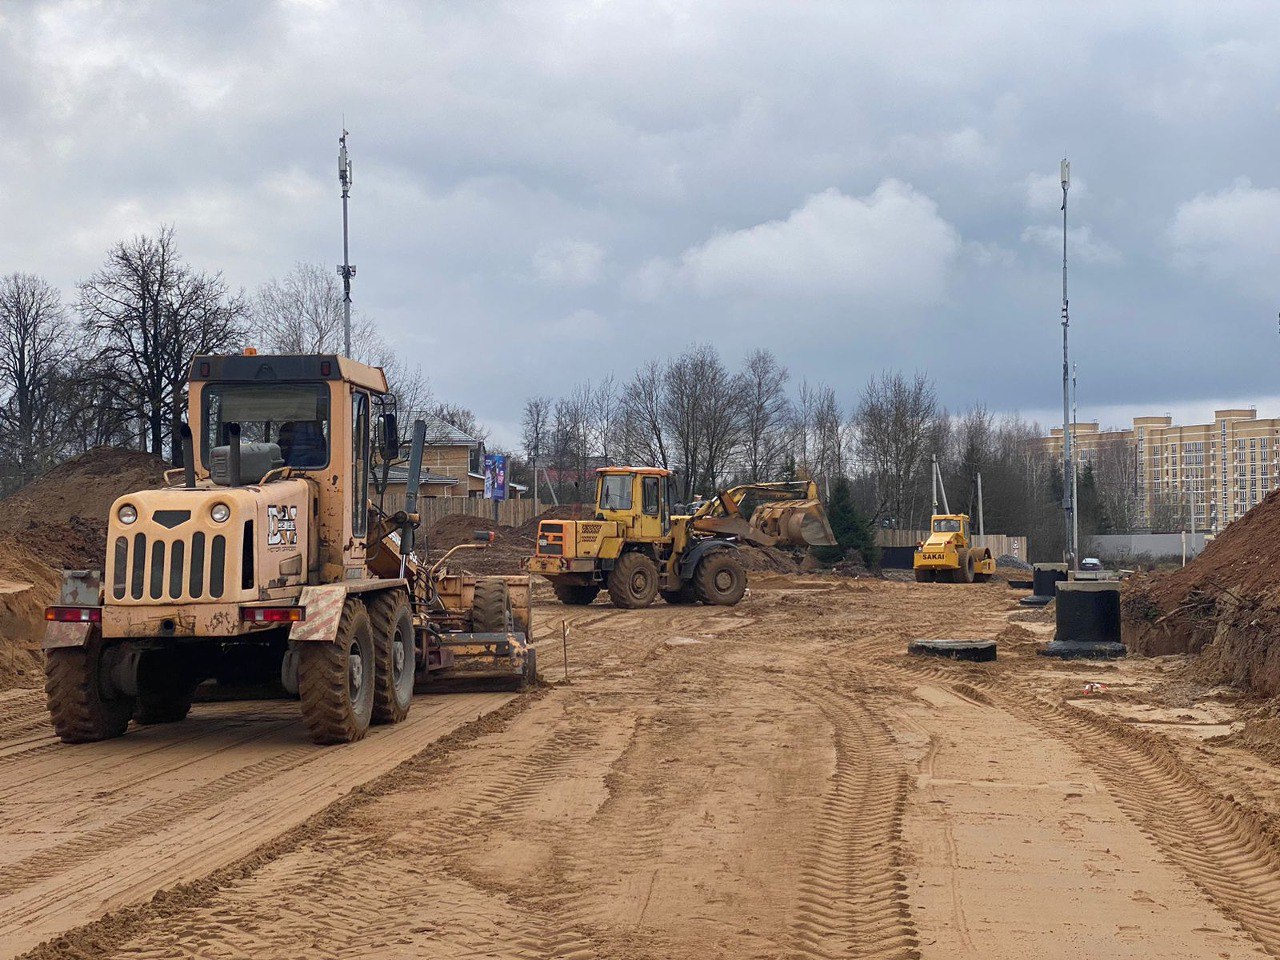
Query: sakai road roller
[638,550]
[951,553]
[267,546]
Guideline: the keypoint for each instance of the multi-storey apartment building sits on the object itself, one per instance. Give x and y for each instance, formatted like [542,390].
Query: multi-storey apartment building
[1222,468]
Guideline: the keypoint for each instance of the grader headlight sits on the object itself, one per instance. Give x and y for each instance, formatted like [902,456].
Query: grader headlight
[127,514]
[220,512]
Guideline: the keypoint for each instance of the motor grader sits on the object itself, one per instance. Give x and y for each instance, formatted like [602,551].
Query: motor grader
[267,546]
[636,549]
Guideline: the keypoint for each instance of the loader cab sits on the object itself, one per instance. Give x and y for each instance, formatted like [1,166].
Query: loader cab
[304,415]
[637,497]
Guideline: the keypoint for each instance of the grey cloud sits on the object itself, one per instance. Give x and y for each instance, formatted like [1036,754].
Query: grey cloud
[609,182]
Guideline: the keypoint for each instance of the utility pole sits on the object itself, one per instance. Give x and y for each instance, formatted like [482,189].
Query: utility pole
[345,270]
[1068,464]
[1075,474]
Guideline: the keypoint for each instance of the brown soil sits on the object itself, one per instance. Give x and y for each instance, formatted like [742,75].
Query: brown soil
[1224,605]
[57,522]
[772,779]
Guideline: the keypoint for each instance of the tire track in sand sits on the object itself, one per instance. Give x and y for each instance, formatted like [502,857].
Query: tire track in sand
[1231,856]
[852,891]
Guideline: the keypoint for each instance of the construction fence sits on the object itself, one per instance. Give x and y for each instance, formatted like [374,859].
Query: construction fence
[511,513]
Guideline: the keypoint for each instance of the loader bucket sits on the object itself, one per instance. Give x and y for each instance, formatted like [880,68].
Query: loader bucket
[795,523]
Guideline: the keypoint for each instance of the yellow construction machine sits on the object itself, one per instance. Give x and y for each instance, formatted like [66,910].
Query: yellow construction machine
[637,549]
[266,546]
[951,554]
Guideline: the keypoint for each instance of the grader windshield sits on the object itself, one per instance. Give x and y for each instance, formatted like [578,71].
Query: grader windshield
[295,416]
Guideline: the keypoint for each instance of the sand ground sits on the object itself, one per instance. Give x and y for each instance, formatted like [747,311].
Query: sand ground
[772,780]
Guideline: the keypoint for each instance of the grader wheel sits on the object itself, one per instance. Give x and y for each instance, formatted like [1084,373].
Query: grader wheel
[720,579]
[77,707]
[395,654]
[633,582]
[491,609]
[336,680]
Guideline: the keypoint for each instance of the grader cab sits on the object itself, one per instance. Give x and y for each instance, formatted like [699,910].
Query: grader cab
[266,546]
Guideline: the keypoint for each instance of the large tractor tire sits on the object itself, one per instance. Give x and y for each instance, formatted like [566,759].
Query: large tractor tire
[77,707]
[336,680]
[966,572]
[633,582]
[491,608]
[165,687]
[575,594]
[720,579]
[395,656]
[686,594]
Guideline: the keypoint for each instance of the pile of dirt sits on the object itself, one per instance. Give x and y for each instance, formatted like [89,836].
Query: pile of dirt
[56,522]
[1224,605]
[27,586]
[1009,561]
[61,517]
[770,559]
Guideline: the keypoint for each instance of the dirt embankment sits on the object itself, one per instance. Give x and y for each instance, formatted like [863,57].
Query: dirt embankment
[1224,605]
[57,522]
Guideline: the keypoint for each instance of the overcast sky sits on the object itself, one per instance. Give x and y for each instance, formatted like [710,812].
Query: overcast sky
[549,191]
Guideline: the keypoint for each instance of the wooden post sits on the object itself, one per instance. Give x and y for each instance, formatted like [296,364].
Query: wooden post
[564,642]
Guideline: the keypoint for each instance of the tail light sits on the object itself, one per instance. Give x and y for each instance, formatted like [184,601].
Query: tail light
[62,614]
[273,614]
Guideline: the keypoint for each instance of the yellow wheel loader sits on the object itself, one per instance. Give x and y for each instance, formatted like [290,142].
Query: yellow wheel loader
[638,550]
[265,548]
[951,554]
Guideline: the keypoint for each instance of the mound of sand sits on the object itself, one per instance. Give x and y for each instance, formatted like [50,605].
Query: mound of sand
[57,522]
[62,516]
[1224,605]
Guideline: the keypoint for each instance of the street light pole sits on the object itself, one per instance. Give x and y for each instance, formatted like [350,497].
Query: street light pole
[1068,464]
[345,270]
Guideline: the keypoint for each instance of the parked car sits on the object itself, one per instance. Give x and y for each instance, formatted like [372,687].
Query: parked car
[1090,563]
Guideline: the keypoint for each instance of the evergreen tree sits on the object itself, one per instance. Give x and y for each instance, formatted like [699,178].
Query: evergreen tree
[852,530]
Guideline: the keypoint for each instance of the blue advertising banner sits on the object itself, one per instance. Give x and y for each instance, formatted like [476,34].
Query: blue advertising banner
[495,476]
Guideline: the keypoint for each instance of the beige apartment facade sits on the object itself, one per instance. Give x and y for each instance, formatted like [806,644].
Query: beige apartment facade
[1222,468]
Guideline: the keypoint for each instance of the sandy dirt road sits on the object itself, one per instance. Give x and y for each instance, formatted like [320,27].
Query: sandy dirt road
[771,780]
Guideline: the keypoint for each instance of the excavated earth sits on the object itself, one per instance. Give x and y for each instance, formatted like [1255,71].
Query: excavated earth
[1223,606]
[776,779]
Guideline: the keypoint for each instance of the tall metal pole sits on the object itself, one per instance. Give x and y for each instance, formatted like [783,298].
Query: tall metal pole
[1075,473]
[1068,465]
[345,270]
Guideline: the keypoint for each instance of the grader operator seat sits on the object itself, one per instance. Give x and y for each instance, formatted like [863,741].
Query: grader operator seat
[302,443]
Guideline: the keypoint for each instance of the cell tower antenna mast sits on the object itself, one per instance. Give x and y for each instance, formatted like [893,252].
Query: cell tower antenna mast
[345,269]
[1068,464]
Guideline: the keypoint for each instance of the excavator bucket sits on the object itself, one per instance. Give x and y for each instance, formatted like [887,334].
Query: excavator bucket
[794,523]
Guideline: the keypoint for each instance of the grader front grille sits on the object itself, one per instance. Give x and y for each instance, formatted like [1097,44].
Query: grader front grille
[150,565]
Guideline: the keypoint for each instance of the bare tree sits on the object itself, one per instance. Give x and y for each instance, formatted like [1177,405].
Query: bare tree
[301,312]
[535,426]
[643,438]
[149,314]
[1115,463]
[701,411]
[767,410]
[461,417]
[36,351]
[892,423]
